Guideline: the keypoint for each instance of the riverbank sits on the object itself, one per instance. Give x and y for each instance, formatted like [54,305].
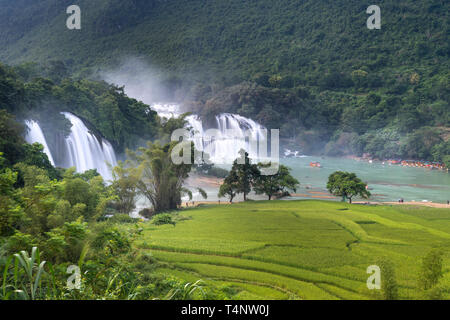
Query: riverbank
[409,203]
[430,165]
[379,203]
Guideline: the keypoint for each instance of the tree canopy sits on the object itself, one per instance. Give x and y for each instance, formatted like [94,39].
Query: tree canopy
[347,185]
[277,184]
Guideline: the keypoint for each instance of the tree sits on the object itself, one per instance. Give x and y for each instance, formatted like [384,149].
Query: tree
[446,160]
[34,155]
[278,183]
[186,191]
[160,180]
[245,172]
[230,186]
[347,185]
[11,211]
[431,269]
[420,143]
[11,138]
[124,184]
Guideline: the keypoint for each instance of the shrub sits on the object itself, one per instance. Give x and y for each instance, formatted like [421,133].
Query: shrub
[122,218]
[162,219]
[111,240]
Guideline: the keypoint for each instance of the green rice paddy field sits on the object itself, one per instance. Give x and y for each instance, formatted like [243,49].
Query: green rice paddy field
[299,249]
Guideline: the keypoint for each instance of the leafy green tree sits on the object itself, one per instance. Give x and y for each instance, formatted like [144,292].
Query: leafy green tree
[12,93]
[346,185]
[230,186]
[441,152]
[40,196]
[161,181]
[11,138]
[168,126]
[420,143]
[278,183]
[34,155]
[186,191]
[77,191]
[246,173]
[87,175]
[431,269]
[446,160]
[124,184]
[11,211]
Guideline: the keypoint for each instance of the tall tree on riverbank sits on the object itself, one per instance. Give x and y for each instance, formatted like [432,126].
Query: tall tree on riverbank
[161,181]
[230,186]
[246,173]
[347,185]
[276,184]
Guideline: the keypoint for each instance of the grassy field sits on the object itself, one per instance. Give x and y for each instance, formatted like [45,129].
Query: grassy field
[299,249]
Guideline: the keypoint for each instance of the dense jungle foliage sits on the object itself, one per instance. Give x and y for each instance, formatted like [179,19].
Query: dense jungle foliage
[310,68]
[31,92]
[52,219]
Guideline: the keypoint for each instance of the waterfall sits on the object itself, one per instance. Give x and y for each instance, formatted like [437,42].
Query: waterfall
[84,151]
[81,149]
[230,135]
[34,135]
[233,133]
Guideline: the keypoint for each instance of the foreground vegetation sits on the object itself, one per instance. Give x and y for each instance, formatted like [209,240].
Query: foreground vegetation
[303,249]
[251,250]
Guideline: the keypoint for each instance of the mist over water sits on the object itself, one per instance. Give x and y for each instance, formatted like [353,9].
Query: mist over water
[140,81]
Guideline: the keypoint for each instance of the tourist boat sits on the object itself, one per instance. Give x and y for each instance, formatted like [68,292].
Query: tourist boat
[394,161]
[315,164]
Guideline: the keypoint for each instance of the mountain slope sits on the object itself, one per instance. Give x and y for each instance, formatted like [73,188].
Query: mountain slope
[241,37]
[310,68]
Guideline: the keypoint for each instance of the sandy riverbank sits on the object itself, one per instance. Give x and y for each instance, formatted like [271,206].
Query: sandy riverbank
[314,194]
[411,203]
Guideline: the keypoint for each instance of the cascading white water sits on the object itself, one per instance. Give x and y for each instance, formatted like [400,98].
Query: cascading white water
[81,149]
[229,138]
[233,133]
[34,135]
[84,151]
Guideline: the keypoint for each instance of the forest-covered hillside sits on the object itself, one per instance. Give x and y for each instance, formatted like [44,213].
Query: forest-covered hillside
[310,68]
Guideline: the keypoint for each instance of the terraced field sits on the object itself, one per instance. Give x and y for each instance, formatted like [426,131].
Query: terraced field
[299,249]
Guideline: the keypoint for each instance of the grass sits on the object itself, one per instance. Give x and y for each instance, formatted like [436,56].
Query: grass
[299,249]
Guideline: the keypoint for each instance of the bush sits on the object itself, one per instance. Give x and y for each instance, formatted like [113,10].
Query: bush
[20,241]
[122,218]
[162,219]
[111,240]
